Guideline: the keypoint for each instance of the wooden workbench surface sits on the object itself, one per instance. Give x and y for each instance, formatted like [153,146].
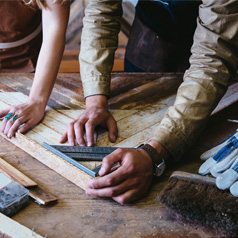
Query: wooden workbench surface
[76,214]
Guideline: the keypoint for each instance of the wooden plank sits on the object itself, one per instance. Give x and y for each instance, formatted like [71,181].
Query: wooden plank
[48,135]
[122,83]
[43,133]
[130,124]
[57,221]
[139,121]
[16,174]
[35,192]
[137,125]
[161,87]
[41,197]
[23,85]
[51,160]
[117,114]
[9,227]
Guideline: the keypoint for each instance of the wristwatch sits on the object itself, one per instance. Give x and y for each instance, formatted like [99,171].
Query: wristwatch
[157,161]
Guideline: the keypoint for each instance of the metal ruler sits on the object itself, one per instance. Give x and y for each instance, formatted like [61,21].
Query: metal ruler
[76,154]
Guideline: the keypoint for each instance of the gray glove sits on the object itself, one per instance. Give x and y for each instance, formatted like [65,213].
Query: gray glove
[222,163]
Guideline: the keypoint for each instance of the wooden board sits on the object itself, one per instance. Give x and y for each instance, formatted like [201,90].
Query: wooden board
[16,175]
[135,127]
[75,212]
[131,123]
[35,192]
[10,228]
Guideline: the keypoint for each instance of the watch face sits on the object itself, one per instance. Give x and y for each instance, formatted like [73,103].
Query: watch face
[160,169]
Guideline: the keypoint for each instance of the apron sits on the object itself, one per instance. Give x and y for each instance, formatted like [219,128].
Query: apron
[162,35]
[20,36]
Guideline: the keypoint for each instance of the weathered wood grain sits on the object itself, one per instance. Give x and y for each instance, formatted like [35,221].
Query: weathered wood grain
[13,229]
[163,87]
[75,212]
[135,126]
[41,197]
[35,192]
[51,160]
[16,175]
[49,131]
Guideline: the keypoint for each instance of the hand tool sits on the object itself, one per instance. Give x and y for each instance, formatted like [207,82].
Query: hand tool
[76,154]
[197,199]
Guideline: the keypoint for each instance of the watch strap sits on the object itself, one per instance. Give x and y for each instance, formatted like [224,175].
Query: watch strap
[155,157]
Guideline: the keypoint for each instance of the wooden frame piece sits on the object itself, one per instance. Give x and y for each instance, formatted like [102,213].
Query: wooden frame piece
[51,160]
[35,192]
[16,175]
[10,228]
[132,132]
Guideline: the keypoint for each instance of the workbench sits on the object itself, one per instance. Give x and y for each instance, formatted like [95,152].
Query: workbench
[76,214]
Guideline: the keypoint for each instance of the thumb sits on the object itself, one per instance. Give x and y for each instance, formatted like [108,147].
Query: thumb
[112,129]
[109,162]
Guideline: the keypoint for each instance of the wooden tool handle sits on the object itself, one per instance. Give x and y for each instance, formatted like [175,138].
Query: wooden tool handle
[192,177]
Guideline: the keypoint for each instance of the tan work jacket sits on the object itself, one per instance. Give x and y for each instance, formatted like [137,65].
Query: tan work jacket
[213,62]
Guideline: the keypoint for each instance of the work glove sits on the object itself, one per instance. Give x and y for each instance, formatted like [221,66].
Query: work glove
[222,163]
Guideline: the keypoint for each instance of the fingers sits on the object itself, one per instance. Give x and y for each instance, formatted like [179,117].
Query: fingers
[26,127]
[14,126]
[115,190]
[79,132]
[112,129]
[70,133]
[82,130]
[109,161]
[3,113]
[23,117]
[123,193]
[111,177]
[64,138]
[11,125]
[110,180]
[6,121]
[89,128]
[126,183]
[75,133]
[131,195]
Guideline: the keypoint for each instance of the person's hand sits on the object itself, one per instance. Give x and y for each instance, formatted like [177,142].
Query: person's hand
[126,175]
[22,117]
[222,163]
[81,131]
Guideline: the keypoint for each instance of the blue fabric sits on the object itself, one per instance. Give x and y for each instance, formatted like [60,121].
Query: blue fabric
[235,167]
[227,149]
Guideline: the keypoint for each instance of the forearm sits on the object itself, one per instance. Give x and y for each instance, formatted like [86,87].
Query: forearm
[98,44]
[213,63]
[54,18]
[47,68]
